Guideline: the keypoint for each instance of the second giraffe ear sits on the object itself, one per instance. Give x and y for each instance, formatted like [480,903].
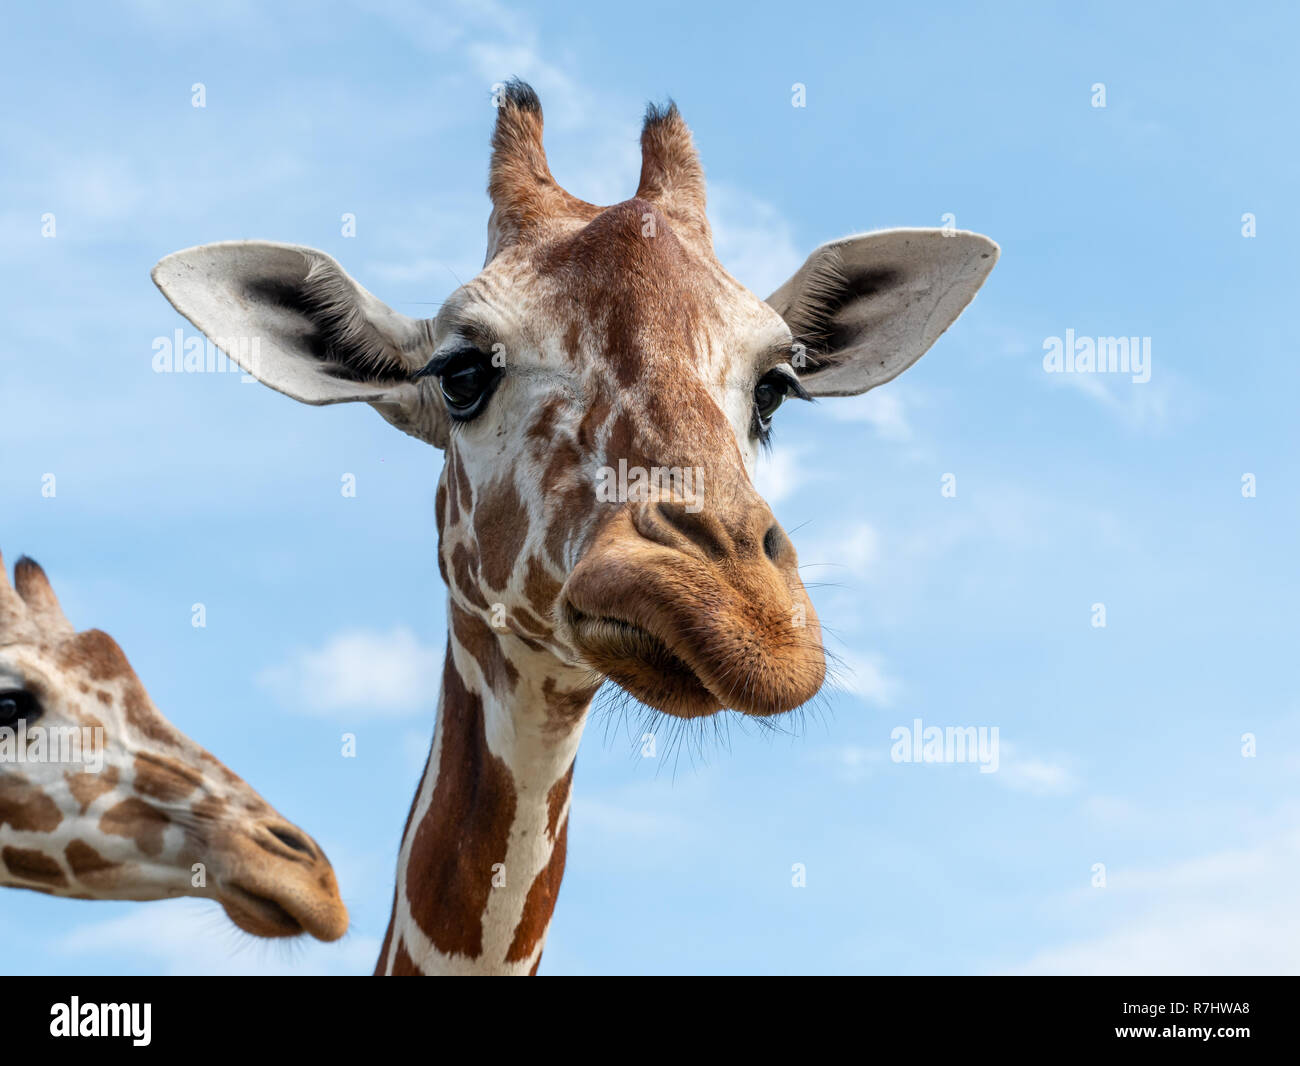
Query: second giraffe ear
[866,308]
[293,318]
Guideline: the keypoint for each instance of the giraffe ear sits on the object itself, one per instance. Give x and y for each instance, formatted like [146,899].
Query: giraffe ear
[868,307]
[293,318]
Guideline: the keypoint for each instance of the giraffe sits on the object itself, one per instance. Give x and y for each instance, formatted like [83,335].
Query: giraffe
[599,348]
[102,798]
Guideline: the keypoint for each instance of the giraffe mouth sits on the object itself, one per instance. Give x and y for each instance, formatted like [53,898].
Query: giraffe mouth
[641,663]
[258,914]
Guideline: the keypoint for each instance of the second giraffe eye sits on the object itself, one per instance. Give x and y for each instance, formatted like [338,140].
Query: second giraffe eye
[18,706]
[467,380]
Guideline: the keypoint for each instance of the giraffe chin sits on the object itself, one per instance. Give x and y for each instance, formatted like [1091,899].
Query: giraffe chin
[671,677]
[642,664]
[271,919]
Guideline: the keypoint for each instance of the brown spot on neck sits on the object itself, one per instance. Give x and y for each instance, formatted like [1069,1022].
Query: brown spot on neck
[540,902]
[478,638]
[556,797]
[466,829]
[403,964]
[564,709]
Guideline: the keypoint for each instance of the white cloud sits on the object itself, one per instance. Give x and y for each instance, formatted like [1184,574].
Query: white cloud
[190,938]
[752,239]
[360,672]
[780,472]
[1146,407]
[1030,774]
[623,821]
[853,548]
[850,762]
[864,676]
[883,409]
[1227,912]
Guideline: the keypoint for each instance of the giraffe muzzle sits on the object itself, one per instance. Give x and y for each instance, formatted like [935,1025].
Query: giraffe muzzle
[691,613]
[274,881]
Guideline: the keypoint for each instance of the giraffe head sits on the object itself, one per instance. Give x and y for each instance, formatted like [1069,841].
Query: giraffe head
[102,798]
[601,390]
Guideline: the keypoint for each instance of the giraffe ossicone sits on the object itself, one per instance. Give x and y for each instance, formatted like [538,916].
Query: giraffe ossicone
[102,798]
[594,339]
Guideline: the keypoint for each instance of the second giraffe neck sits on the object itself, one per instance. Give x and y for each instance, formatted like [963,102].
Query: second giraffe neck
[483,852]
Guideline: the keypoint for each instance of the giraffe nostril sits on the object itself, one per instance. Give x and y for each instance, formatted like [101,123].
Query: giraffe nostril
[292,839]
[775,542]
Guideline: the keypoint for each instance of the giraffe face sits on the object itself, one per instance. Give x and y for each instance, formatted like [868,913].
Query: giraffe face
[102,798]
[610,450]
[601,390]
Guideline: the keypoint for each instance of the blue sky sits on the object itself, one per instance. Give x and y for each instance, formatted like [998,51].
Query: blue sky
[1119,745]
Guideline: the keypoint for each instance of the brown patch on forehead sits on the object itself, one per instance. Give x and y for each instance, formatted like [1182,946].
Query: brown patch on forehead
[466,829]
[478,638]
[164,779]
[629,277]
[500,527]
[97,654]
[87,864]
[25,807]
[88,787]
[136,820]
[34,866]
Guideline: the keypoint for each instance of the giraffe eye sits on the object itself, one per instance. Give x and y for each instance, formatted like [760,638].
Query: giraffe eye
[772,390]
[770,393]
[18,706]
[467,379]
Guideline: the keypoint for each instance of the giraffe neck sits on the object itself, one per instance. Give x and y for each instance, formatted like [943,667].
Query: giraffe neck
[483,851]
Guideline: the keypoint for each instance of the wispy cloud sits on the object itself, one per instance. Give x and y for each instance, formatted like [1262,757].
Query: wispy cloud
[884,409]
[780,472]
[360,672]
[865,676]
[1023,772]
[192,938]
[752,239]
[1227,912]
